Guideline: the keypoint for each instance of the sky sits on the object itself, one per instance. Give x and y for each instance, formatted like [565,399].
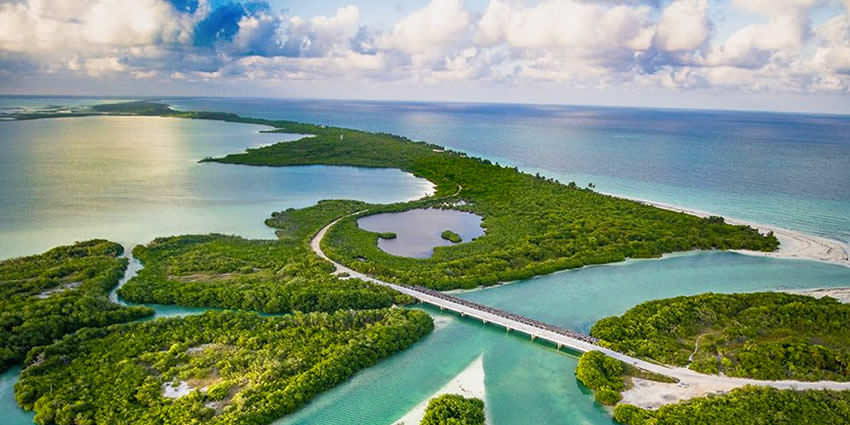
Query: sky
[785,55]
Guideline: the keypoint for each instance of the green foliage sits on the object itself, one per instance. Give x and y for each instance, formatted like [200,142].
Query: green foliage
[302,224]
[453,409]
[44,297]
[760,335]
[747,406]
[262,275]
[451,236]
[607,377]
[387,235]
[134,108]
[255,369]
[231,272]
[534,225]
[602,374]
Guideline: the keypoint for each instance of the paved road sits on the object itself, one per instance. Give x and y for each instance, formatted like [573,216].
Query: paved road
[565,337]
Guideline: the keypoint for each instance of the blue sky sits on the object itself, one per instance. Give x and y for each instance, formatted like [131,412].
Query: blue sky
[738,54]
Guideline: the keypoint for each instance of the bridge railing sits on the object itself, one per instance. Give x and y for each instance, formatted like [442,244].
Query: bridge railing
[506,315]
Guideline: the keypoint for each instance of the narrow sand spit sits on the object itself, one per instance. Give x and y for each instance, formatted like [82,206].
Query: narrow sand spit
[469,383]
[792,244]
[840,294]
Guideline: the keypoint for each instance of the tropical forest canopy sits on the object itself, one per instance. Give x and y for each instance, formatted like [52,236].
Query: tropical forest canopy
[747,406]
[271,276]
[454,409]
[767,335]
[533,225]
[234,368]
[46,296]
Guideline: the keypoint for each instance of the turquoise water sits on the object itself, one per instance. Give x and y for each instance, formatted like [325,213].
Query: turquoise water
[132,179]
[531,383]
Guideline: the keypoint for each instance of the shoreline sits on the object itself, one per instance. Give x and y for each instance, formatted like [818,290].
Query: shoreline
[793,244]
[468,383]
[840,294]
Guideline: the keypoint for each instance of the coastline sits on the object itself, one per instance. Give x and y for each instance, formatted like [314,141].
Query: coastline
[468,383]
[840,294]
[793,244]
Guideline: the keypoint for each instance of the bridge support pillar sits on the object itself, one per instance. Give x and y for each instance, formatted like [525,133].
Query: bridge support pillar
[533,337]
[560,346]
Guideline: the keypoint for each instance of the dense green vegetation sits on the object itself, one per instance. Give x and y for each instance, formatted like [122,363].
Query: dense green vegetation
[608,377]
[46,296]
[533,225]
[759,335]
[603,375]
[241,368]
[453,409]
[747,406]
[134,108]
[451,236]
[270,276]
[387,235]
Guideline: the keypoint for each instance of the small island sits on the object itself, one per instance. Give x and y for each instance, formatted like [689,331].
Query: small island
[387,235]
[453,409]
[451,236]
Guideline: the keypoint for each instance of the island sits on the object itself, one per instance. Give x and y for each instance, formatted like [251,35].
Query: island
[339,294]
[769,356]
[453,409]
[451,236]
[45,297]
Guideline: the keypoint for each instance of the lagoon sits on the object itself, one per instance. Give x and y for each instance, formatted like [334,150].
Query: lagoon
[419,231]
[131,179]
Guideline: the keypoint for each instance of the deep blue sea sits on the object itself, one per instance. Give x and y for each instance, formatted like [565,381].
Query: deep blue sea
[791,170]
[131,179]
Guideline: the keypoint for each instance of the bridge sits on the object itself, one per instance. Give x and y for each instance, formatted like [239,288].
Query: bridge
[559,336]
[563,337]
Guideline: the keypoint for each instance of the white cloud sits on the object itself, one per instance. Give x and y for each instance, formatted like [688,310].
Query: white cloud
[80,25]
[684,25]
[570,24]
[428,29]
[322,35]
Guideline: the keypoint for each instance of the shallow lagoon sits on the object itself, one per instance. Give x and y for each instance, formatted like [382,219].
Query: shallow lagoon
[418,231]
[130,179]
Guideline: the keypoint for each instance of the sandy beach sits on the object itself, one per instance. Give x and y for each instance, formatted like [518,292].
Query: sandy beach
[840,294]
[468,383]
[792,244]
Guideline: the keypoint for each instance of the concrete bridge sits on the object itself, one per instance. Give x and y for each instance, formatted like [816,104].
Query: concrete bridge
[568,338]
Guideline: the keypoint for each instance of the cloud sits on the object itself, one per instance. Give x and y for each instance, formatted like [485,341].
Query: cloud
[684,25]
[566,24]
[322,35]
[574,43]
[427,29]
[753,46]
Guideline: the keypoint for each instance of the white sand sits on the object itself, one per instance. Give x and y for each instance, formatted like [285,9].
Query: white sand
[64,288]
[840,294]
[169,390]
[469,383]
[792,244]
[652,395]
[441,322]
